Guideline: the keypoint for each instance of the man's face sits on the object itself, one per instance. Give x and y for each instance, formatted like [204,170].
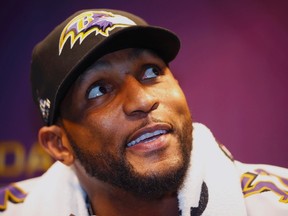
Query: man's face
[128,123]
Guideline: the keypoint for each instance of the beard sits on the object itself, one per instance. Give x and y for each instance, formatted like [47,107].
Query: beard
[116,170]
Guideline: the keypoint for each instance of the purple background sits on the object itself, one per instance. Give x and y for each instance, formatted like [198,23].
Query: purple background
[232,66]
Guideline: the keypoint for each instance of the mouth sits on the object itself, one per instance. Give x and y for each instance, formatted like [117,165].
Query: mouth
[147,137]
[148,134]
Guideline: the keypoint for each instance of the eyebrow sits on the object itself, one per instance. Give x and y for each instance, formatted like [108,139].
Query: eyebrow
[91,69]
[138,52]
[134,54]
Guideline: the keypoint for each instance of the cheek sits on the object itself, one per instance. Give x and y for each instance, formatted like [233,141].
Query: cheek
[181,104]
[175,100]
[104,122]
[90,135]
[103,127]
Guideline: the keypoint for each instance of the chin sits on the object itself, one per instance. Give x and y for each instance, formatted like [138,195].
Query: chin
[160,166]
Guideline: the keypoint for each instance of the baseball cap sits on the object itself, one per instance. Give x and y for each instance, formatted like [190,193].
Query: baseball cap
[80,40]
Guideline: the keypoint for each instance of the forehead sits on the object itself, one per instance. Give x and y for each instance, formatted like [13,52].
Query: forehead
[115,58]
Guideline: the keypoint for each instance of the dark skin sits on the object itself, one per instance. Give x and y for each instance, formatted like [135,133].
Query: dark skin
[111,109]
[108,200]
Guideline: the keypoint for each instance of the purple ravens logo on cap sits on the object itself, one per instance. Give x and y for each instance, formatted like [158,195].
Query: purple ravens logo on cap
[86,23]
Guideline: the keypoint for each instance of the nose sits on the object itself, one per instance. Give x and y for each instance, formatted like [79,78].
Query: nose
[138,99]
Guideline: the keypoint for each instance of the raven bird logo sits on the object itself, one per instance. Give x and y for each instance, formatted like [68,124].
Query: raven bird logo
[11,193]
[86,23]
[263,181]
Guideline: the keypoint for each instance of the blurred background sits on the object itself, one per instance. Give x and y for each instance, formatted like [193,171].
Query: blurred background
[233,67]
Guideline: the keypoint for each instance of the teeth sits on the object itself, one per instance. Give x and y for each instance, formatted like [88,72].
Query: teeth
[146,136]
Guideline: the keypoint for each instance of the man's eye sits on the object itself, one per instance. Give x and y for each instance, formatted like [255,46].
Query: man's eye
[98,90]
[151,72]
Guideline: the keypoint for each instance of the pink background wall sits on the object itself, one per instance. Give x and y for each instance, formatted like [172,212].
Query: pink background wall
[232,66]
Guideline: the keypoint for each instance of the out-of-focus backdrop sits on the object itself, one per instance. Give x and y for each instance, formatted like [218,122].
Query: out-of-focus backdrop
[233,67]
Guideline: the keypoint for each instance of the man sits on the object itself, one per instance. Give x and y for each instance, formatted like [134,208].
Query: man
[118,125]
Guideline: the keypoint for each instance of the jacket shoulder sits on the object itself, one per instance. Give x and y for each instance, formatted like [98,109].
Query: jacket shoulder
[265,188]
[15,193]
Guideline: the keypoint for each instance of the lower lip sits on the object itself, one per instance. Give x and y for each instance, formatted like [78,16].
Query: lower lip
[154,145]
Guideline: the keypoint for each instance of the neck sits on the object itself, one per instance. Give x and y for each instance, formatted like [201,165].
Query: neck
[107,200]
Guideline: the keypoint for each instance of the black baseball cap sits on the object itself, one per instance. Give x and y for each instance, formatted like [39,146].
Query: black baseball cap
[79,41]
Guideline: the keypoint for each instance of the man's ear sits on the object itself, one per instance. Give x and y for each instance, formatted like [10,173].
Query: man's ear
[53,139]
